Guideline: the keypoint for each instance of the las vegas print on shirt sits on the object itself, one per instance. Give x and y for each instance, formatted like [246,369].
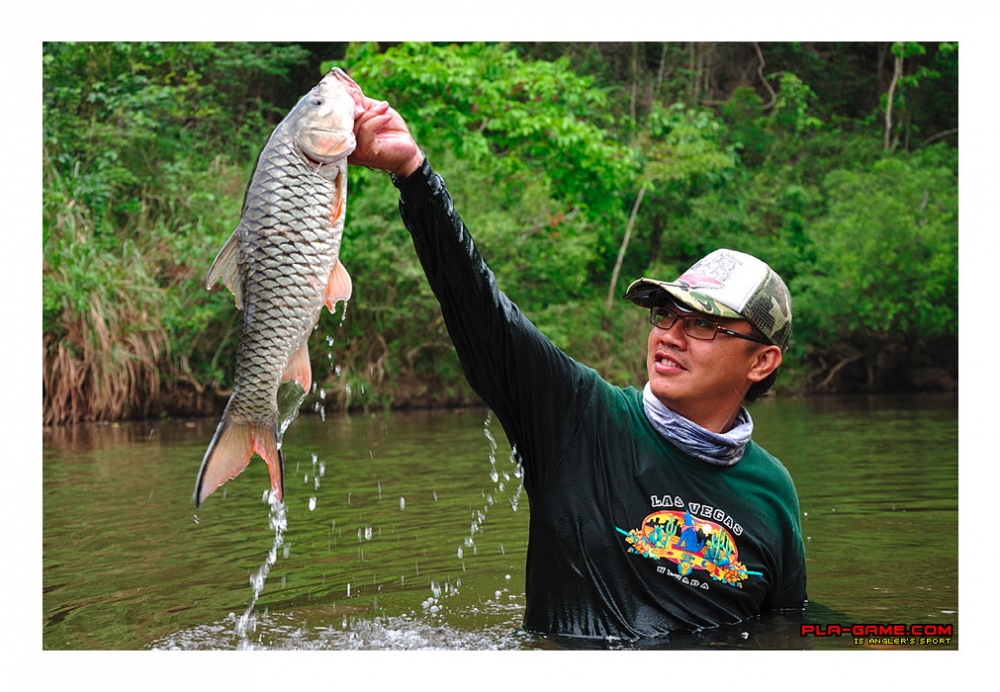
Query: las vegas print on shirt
[693,537]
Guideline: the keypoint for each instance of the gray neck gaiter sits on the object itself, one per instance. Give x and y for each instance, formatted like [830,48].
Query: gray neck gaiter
[721,449]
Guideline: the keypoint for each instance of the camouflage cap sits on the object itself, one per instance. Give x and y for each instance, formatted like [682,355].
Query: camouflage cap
[726,283]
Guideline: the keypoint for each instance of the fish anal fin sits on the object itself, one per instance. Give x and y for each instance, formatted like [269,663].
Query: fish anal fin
[225,268]
[299,369]
[339,287]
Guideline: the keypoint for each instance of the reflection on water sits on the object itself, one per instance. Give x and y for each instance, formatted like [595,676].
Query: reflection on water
[409,531]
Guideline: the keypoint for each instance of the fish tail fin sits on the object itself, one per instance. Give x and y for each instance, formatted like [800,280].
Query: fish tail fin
[230,451]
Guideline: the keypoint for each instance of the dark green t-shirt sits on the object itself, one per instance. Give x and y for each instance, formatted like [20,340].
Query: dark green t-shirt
[629,537]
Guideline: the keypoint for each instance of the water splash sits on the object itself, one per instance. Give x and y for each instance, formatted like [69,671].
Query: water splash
[290,398]
[246,625]
[500,478]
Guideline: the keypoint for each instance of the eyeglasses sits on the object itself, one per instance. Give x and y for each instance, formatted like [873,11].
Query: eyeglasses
[696,326]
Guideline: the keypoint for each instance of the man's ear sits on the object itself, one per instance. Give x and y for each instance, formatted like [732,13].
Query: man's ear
[766,361]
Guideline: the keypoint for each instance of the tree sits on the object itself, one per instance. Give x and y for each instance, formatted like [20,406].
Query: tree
[884,287]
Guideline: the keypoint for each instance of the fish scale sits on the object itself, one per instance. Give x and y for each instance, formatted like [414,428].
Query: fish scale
[282,264]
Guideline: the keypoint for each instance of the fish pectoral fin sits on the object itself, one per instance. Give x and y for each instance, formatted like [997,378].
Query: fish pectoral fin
[230,452]
[339,287]
[225,268]
[299,369]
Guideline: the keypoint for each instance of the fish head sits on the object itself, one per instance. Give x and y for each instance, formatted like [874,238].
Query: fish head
[323,124]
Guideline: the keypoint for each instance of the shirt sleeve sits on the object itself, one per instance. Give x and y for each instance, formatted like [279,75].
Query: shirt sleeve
[529,383]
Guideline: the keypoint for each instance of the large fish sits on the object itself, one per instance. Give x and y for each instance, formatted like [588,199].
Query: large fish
[282,264]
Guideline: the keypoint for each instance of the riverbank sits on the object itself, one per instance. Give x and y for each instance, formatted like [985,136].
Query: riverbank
[184,400]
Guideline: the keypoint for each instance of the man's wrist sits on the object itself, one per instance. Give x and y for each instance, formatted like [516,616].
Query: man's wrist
[407,169]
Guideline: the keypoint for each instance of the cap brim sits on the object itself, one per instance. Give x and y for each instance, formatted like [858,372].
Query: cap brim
[649,293]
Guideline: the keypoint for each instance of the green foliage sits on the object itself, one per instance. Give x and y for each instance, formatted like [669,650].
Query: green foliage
[885,253]
[509,116]
[684,146]
[884,284]
[148,147]
[492,124]
[792,105]
[743,115]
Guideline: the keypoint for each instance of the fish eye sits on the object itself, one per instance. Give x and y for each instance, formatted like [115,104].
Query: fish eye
[317,101]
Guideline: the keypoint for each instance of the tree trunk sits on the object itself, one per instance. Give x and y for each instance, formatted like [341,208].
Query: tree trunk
[621,251]
[897,72]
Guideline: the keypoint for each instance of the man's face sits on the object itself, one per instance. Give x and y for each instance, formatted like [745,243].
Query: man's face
[705,381]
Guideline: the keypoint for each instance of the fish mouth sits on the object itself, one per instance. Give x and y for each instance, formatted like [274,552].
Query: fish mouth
[321,145]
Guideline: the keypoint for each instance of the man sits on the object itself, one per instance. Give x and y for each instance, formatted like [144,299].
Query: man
[651,511]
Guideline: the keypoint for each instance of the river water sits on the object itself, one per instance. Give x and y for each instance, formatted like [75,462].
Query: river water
[408,531]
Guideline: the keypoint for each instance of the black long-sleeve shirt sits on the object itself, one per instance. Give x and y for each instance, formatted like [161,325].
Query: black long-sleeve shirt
[629,537]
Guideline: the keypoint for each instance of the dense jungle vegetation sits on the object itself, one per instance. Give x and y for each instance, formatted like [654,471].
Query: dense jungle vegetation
[577,166]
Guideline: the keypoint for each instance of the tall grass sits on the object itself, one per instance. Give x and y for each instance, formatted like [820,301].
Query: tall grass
[104,345]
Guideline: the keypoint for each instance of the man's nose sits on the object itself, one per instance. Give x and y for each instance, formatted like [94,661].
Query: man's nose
[674,335]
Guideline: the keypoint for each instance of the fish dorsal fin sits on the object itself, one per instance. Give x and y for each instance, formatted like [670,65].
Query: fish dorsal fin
[299,369]
[339,287]
[225,268]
